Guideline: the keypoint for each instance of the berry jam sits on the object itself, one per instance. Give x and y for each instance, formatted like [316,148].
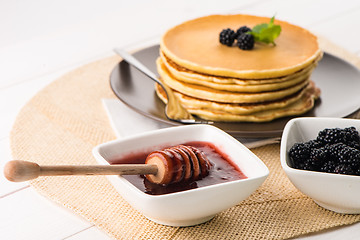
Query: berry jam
[223,170]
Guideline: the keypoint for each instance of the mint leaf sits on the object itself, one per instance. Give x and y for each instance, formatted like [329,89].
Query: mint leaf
[269,34]
[272,21]
[258,28]
[266,32]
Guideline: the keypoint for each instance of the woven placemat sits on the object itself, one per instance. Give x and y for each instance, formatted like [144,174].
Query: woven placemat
[64,121]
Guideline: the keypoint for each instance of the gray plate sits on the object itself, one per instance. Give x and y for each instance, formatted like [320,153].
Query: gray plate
[338,80]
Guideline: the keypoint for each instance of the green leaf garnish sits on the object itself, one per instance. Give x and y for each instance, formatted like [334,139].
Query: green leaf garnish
[266,32]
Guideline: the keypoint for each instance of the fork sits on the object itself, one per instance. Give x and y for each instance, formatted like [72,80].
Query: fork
[174,111]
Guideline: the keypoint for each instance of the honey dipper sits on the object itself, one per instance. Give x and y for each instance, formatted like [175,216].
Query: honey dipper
[170,165]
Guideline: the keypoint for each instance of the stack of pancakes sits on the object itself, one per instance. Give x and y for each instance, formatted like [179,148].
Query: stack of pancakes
[221,83]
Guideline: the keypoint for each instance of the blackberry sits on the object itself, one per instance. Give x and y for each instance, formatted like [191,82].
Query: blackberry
[300,151]
[342,153]
[318,156]
[351,135]
[334,150]
[354,144]
[314,144]
[343,169]
[310,165]
[242,30]
[330,136]
[299,154]
[328,167]
[336,135]
[227,37]
[348,155]
[245,41]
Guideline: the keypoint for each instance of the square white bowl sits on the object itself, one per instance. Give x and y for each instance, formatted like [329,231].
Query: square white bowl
[336,192]
[193,206]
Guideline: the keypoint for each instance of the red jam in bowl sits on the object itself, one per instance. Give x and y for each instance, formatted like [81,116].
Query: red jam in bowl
[223,170]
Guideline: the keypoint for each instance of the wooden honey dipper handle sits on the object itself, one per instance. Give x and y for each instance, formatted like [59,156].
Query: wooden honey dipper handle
[19,171]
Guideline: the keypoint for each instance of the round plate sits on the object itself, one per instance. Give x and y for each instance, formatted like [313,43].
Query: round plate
[338,80]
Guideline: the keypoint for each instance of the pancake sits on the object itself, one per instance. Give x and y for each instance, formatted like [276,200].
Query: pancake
[222,83]
[196,78]
[207,93]
[194,45]
[262,112]
[187,75]
[234,108]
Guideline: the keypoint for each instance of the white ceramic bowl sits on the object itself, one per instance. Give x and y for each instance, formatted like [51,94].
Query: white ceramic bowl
[337,192]
[188,207]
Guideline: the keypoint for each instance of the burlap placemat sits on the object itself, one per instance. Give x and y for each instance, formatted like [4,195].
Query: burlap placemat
[64,121]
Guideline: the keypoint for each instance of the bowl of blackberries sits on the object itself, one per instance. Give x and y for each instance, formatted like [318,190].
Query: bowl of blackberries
[321,157]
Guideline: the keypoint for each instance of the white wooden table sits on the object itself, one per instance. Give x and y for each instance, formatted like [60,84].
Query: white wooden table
[40,40]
